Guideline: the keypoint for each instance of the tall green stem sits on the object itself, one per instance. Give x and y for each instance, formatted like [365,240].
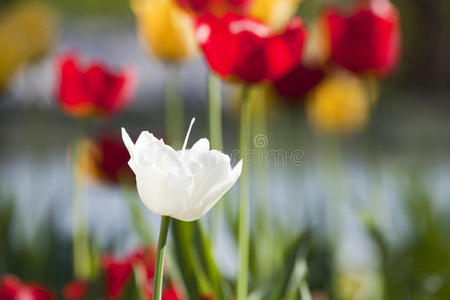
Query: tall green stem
[80,235]
[215,112]
[215,134]
[159,267]
[174,112]
[244,226]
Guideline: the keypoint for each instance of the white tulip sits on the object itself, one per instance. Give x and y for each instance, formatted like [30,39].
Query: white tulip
[182,184]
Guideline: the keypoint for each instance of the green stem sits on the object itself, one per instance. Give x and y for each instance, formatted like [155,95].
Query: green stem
[215,135]
[159,267]
[174,112]
[80,235]
[215,112]
[304,291]
[244,226]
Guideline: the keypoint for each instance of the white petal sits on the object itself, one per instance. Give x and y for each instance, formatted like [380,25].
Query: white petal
[130,146]
[216,193]
[201,145]
[212,178]
[162,179]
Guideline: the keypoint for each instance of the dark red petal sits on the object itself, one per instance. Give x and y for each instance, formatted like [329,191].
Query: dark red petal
[9,287]
[117,273]
[39,293]
[368,40]
[113,159]
[214,6]
[250,65]
[284,51]
[298,82]
[121,88]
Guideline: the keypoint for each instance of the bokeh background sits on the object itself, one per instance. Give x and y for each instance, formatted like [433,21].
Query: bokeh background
[388,184]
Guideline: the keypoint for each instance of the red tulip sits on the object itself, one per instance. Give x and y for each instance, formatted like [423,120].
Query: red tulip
[109,158]
[11,288]
[92,90]
[246,49]
[118,270]
[169,293]
[367,40]
[216,7]
[298,82]
[75,290]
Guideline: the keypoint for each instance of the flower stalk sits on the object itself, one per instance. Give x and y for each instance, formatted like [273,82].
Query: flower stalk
[215,112]
[174,111]
[160,252]
[80,235]
[244,226]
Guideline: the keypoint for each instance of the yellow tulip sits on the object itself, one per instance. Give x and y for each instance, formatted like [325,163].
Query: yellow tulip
[12,54]
[275,13]
[339,104]
[359,286]
[165,29]
[26,33]
[35,24]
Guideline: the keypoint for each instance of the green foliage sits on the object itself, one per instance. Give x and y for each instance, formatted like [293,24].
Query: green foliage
[418,268]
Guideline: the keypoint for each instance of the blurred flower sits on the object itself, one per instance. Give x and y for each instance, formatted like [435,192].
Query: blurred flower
[359,286]
[339,104]
[26,33]
[182,184]
[275,13]
[298,82]
[119,270]
[75,290]
[12,56]
[106,159]
[368,40]
[92,90]
[215,7]
[243,48]
[165,29]
[170,293]
[11,288]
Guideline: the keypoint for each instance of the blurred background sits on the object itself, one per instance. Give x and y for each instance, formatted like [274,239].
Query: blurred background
[386,184]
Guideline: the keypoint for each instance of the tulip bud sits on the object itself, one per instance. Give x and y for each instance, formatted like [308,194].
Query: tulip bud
[165,29]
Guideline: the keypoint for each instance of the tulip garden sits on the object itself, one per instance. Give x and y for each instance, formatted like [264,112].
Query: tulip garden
[224,149]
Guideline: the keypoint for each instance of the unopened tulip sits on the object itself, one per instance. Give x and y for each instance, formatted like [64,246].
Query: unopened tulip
[105,158]
[367,41]
[119,270]
[75,290]
[12,287]
[92,90]
[165,29]
[26,33]
[182,184]
[339,104]
[243,48]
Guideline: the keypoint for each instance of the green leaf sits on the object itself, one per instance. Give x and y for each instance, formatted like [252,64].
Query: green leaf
[294,253]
